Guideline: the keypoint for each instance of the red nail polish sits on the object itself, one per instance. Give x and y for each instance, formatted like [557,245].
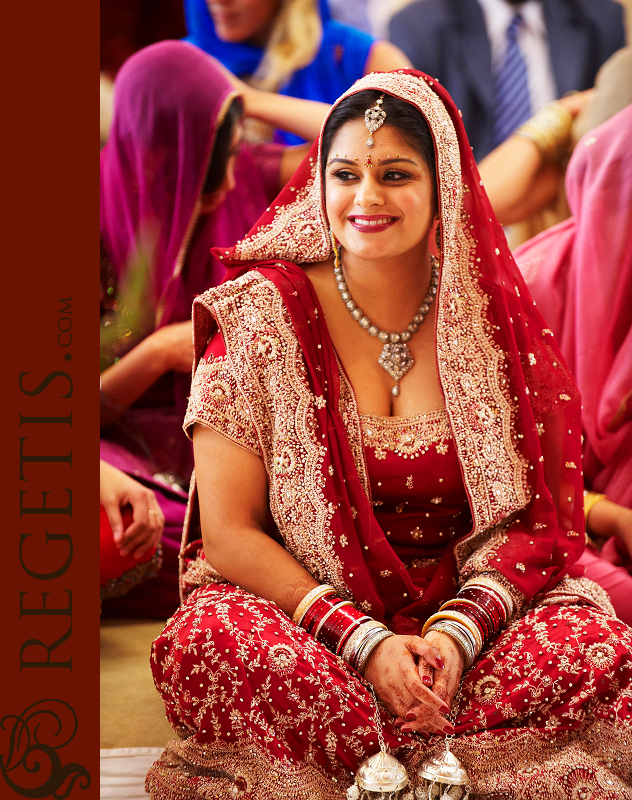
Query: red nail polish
[448,729]
[439,663]
[426,680]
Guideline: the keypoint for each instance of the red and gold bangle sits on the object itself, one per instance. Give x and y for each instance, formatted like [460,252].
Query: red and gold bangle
[340,625]
[319,624]
[487,599]
[478,614]
[314,613]
[493,607]
[493,586]
[483,613]
[310,597]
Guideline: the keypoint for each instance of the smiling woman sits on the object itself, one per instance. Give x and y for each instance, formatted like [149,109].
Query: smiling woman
[347,542]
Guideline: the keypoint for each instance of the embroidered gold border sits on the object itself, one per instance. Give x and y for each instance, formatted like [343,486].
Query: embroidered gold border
[261,342]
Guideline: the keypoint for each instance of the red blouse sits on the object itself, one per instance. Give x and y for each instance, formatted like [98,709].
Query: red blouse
[417,488]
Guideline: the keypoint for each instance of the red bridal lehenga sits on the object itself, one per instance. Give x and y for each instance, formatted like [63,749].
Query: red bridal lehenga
[395,513]
[264,711]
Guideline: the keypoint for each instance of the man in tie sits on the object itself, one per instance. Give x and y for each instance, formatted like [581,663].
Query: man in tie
[503,60]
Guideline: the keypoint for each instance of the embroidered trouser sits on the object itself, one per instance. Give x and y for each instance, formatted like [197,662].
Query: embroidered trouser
[263,711]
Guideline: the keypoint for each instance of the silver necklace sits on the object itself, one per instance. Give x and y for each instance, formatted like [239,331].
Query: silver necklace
[395,357]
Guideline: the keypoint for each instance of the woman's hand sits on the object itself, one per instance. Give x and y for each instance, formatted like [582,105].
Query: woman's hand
[444,680]
[168,348]
[393,670]
[117,489]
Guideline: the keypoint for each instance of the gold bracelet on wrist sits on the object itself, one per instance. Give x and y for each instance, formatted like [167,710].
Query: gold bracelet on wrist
[549,129]
[591,499]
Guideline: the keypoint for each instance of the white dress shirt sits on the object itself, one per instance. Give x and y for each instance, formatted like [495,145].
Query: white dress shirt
[532,41]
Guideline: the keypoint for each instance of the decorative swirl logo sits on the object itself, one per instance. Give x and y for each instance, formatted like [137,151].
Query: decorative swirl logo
[32,767]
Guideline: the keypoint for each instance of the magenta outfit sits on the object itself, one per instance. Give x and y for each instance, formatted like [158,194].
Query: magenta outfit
[170,101]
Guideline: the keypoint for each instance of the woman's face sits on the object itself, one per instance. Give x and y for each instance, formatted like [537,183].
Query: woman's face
[243,20]
[212,201]
[380,201]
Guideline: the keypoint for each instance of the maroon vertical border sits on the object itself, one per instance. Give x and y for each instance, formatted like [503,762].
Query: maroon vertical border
[49,178]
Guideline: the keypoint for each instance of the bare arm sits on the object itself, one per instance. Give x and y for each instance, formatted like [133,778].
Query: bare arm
[385,56]
[607,518]
[290,160]
[518,179]
[302,117]
[233,494]
[168,348]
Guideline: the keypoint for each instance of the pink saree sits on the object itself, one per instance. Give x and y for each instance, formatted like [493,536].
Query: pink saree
[580,275]
[396,513]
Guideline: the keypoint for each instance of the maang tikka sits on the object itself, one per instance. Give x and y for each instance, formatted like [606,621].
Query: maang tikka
[373,119]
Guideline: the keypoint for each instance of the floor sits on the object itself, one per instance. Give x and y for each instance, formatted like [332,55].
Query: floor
[132,713]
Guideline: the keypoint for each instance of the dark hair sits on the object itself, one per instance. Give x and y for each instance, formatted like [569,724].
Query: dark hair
[221,149]
[399,114]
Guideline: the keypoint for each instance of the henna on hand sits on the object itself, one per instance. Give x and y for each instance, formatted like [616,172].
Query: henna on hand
[393,671]
[446,680]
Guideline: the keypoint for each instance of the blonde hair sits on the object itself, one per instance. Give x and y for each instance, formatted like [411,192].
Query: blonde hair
[293,43]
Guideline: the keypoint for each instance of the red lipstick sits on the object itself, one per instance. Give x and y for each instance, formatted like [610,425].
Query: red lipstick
[371,224]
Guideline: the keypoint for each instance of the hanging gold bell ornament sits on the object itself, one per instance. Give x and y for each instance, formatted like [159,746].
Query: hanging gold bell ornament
[442,777]
[380,776]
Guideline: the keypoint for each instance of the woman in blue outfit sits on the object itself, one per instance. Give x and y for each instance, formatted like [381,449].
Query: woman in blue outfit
[289,46]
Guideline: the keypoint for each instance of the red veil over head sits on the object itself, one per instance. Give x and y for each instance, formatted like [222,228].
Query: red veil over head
[512,405]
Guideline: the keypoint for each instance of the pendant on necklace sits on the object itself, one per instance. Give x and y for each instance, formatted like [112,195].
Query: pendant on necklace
[396,359]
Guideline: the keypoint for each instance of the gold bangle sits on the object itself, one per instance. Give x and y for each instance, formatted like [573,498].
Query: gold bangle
[549,129]
[311,597]
[590,499]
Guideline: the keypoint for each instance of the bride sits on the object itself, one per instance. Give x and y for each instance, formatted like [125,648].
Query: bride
[388,498]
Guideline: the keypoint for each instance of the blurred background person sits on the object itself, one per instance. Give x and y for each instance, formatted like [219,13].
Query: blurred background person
[503,60]
[371,16]
[579,273]
[289,46]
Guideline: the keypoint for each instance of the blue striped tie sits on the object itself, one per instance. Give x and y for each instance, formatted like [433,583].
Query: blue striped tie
[511,88]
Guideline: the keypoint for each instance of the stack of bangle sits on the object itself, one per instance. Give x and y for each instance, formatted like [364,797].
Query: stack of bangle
[475,616]
[549,129]
[340,626]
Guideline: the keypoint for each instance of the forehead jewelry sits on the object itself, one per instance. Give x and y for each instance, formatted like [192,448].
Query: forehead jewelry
[368,163]
[395,358]
[373,119]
